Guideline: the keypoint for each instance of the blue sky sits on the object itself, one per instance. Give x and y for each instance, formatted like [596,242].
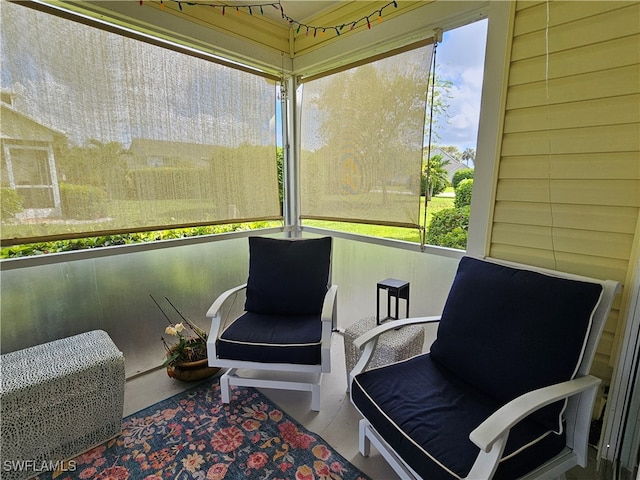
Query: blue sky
[460,59]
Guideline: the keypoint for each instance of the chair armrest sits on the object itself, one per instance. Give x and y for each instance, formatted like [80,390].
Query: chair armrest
[215,314]
[500,422]
[328,307]
[329,320]
[375,332]
[219,302]
[367,341]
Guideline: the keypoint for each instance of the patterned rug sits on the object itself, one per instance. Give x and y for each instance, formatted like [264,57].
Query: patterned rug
[193,435]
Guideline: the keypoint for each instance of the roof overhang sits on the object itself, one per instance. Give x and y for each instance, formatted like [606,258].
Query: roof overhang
[271,42]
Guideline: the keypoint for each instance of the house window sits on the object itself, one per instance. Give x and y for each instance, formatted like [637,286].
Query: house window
[31,172]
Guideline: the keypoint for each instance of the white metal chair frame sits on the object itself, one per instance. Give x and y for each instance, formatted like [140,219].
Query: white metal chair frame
[231,377]
[491,435]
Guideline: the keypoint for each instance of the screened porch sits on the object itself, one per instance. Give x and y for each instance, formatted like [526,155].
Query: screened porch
[556,177]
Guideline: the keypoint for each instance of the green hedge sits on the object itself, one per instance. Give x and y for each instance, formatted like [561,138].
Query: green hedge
[460,175]
[42,248]
[82,202]
[449,228]
[463,193]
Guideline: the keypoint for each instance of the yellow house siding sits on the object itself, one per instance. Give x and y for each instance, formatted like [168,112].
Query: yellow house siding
[568,183]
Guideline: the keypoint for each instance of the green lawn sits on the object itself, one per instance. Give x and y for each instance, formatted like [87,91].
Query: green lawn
[397,233]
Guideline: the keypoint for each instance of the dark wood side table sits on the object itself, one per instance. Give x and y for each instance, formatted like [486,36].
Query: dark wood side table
[395,288]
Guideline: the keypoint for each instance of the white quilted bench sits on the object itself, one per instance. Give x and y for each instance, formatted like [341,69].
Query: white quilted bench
[58,400]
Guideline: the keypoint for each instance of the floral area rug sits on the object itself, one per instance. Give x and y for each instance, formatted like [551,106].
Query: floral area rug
[193,435]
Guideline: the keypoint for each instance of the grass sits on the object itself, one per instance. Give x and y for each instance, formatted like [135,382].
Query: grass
[397,233]
[381,231]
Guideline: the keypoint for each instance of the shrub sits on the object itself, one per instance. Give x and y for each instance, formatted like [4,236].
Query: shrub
[43,248]
[82,202]
[463,193]
[11,203]
[460,175]
[449,228]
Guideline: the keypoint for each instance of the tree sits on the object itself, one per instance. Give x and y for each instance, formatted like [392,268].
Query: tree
[95,163]
[441,96]
[437,175]
[452,150]
[469,155]
[381,129]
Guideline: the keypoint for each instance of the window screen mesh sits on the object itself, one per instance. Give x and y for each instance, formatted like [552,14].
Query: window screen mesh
[362,135]
[101,132]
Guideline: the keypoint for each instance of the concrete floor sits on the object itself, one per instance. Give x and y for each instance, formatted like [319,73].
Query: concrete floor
[336,422]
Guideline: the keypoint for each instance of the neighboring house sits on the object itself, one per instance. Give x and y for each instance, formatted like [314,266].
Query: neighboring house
[453,164]
[145,152]
[28,163]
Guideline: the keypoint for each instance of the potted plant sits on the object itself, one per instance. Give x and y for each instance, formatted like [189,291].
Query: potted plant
[186,359]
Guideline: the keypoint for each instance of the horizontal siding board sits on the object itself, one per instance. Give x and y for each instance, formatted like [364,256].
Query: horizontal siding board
[531,15]
[525,167]
[528,256]
[527,190]
[590,266]
[617,165]
[574,34]
[523,235]
[589,242]
[625,193]
[599,218]
[615,53]
[603,139]
[522,212]
[610,325]
[600,367]
[595,112]
[601,84]
[606,344]
[619,220]
[583,242]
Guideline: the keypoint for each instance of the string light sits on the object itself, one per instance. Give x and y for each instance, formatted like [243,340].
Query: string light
[293,23]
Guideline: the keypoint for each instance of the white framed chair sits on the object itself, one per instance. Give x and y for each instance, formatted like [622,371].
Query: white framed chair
[288,318]
[505,391]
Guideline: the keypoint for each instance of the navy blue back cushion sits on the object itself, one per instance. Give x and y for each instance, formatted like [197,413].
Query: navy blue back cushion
[507,331]
[288,277]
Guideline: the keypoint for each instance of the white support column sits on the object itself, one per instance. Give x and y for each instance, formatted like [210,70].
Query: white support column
[291,101]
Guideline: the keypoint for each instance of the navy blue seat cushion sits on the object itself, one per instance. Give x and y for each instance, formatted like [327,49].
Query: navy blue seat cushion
[508,331]
[272,339]
[429,426]
[288,277]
